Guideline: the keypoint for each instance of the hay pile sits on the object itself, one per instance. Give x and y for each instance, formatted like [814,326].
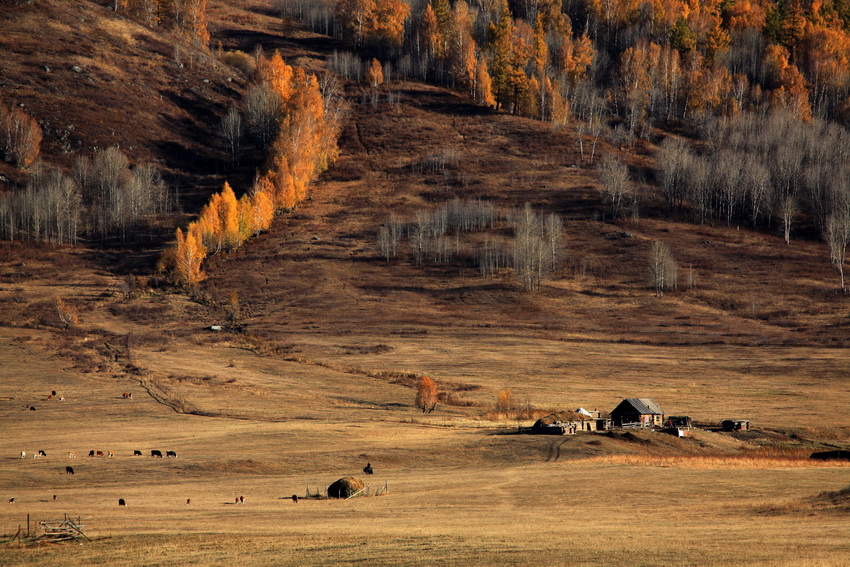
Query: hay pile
[559,417]
[345,487]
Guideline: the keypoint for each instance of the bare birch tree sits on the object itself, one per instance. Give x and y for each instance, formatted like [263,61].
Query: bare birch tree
[615,182]
[663,269]
[837,234]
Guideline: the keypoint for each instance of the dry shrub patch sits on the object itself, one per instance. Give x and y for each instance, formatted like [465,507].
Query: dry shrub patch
[717,462]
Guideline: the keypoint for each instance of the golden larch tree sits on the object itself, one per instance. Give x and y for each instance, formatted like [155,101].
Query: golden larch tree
[426,394]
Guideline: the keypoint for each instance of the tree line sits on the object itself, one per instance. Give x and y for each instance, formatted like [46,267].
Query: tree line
[99,197]
[296,121]
[534,251]
[644,62]
[187,17]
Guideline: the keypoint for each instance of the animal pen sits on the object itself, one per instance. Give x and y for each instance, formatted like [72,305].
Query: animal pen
[347,488]
[58,531]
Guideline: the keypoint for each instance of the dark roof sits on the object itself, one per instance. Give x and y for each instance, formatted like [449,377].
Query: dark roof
[643,406]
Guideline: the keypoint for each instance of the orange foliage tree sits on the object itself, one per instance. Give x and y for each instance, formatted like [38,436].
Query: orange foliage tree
[189,255]
[20,136]
[426,394]
[376,74]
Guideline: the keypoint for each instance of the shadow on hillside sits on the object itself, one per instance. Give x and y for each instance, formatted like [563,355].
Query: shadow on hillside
[246,40]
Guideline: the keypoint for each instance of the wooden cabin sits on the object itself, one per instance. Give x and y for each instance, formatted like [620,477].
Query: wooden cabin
[638,412]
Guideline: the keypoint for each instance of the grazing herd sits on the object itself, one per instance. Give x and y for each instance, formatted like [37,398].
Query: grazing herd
[155,453]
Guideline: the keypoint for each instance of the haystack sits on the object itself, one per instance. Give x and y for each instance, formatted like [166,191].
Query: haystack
[345,487]
[555,418]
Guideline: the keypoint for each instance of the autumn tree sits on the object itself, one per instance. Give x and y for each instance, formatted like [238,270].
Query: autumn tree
[20,136]
[262,209]
[189,255]
[505,401]
[68,314]
[376,74]
[426,394]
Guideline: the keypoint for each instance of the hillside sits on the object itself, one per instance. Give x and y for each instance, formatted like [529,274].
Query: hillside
[324,339]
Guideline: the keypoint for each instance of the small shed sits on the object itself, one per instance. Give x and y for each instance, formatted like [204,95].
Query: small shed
[638,412]
[735,425]
[678,421]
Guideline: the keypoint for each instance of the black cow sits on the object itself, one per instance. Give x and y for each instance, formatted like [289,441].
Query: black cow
[156,453]
[295,498]
[91,453]
[42,453]
[69,470]
[121,502]
[368,468]
[171,454]
[831,456]
[137,453]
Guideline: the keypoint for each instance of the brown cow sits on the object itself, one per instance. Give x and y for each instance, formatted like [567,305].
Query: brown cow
[99,453]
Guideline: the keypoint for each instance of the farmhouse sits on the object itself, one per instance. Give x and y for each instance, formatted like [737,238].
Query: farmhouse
[637,412]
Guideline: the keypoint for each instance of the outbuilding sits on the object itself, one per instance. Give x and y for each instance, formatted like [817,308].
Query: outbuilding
[735,425]
[638,412]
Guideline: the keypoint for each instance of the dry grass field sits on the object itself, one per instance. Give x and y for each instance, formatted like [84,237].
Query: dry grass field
[319,380]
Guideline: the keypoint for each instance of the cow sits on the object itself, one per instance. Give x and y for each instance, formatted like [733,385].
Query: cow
[156,453]
[61,399]
[49,397]
[41,453]
[32,408]
[69,470]
[188,501]
[12,500]
[171,454]
[241,499]
[121,502]
[126,395]
[368,468]
[55,497]
[99,453]
[71,455]
[137,453]
[53,393]
[91,453]
[23,454]
[295,498]
[110,453]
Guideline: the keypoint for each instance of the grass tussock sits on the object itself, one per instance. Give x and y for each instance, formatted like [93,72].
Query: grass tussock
[741,461]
